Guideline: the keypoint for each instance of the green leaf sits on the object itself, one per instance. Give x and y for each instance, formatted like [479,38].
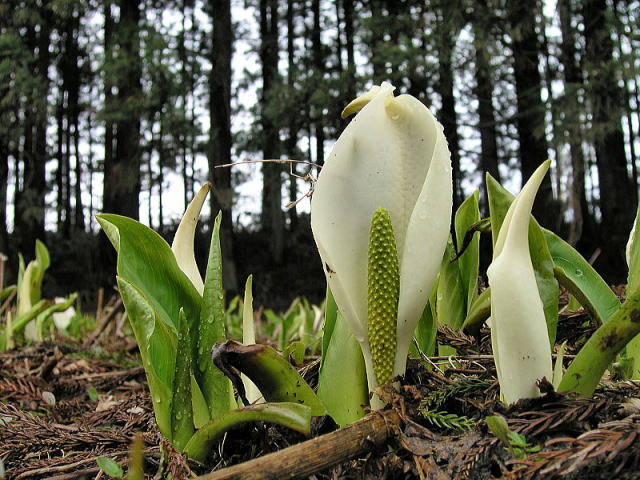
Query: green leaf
[633,255]
[594,357]
[5,292]
[342,382]
[216,388]
[499,427]
[110,467]
[451,293]
[295,352]
[146,261]
[44,318]
[427,327]
[199,404]
[92,393]
[330,316]
[157,343]
[499,201]
[181,407]
[479,312]
[466,217]
[274,376]
[291,415]
[575,273]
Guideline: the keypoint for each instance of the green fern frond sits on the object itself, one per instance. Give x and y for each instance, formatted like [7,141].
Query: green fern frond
[437,398]
[448,421]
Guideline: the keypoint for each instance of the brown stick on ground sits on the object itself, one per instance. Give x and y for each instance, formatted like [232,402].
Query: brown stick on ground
[317,454]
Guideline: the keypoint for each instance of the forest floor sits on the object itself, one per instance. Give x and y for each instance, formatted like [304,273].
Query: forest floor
[101,403]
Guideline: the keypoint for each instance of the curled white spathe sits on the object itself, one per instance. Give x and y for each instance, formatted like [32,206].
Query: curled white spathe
[392,155]
[182,246]
[519,336]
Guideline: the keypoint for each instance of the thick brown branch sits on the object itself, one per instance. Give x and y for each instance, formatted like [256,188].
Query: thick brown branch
[317,454]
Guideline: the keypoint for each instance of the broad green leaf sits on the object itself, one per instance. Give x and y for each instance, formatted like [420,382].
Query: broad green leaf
[274,376]
[451,292]
[631,354]
[575,273]
[23,319]
[182,424]
[427,327]
[110,467]
[291,415]
[499,201]
[633,256]
[479,312]
[216,388]
[157,343]
[146,261]
[5,292]
[468,214]
[44,318]
[295,351]
[557,367]
[330,316]
[249,337]
[594,357]
[342,382]
[199,404]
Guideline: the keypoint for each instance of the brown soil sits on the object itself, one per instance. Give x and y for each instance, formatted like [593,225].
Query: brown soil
[577,438]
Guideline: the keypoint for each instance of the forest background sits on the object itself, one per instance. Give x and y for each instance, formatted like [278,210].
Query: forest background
[127,106]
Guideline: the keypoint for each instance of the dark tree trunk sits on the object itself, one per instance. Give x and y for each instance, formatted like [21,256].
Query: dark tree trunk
[617,191]
[109,127]
[291,145]
[4,178]
[35,185]
[582,222]
[29,224]
[220,141]
[349,45]
[60,160]
[376,23]
[272,216]
[446,33]
[530,117]
[484,94]
[122,173]
[318,64]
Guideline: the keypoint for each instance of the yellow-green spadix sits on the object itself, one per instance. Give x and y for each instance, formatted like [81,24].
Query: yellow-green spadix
[391,158]
[519,335]
[182,245]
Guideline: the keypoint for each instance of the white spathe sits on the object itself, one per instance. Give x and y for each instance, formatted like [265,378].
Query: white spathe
[519,336]
[182,245]
[392,155]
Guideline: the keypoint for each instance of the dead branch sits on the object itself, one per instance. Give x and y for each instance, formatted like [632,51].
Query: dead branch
[317,454]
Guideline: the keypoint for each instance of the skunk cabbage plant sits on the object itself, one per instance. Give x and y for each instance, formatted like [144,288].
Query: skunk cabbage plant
[519,336]
[380,215]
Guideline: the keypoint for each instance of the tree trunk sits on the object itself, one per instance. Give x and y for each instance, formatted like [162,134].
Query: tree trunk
[109,127]
[318,64]
[220,141]
[484,94]
[573,85]
[272,216]
[530,117]
[29,224]
[122,173]
[446,33]
[291,145]
[617,191]
[349,44]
